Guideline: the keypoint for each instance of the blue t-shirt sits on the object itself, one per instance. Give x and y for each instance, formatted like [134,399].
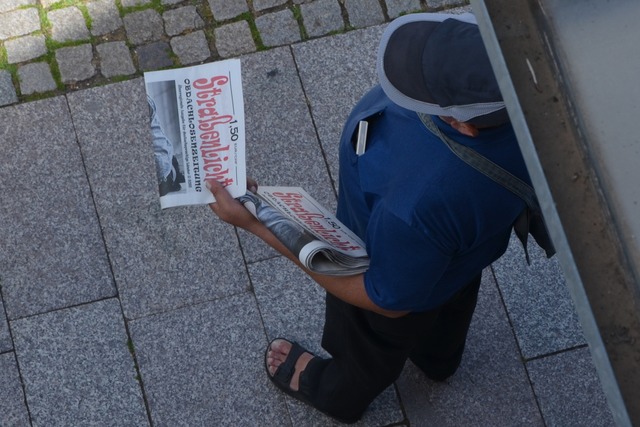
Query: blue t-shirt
[431,222]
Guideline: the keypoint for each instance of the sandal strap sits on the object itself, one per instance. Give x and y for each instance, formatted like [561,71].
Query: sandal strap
[285,371]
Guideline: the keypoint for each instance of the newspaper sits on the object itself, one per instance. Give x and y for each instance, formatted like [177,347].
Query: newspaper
[321,242]
[197,124]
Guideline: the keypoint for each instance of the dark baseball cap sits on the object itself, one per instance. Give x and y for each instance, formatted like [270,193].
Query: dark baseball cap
[437,64]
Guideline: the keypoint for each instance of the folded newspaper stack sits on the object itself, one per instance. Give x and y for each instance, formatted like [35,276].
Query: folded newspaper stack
[321,242]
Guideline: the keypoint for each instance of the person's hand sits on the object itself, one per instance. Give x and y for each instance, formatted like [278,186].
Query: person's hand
[229,209]
[252,185]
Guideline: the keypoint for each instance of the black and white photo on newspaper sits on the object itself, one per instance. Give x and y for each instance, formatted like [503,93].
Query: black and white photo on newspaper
[197,127]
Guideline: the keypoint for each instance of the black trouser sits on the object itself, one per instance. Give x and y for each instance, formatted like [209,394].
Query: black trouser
[369,351]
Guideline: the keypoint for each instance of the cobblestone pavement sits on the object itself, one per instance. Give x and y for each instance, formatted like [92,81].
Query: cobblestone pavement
[48,47]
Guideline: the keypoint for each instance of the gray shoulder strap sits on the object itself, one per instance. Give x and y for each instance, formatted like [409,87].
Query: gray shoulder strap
[485,166]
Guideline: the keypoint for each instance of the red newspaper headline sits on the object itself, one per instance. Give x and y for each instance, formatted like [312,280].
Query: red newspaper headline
[213,152]
[292,200]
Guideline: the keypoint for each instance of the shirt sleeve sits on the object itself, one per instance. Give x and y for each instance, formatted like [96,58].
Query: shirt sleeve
[406,263]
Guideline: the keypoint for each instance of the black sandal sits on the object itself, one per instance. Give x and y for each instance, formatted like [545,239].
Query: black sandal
[282,377]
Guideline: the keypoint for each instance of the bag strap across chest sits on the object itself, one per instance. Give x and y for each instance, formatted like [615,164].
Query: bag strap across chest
[530,220]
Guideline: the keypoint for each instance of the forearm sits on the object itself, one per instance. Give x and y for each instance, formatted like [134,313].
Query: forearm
[347,288]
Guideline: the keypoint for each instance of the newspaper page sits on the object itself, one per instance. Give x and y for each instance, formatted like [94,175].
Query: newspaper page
[321,242]
[197,126]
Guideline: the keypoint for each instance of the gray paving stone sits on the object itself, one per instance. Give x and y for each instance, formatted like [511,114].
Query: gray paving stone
[266,4]
[538,301]
[437,4]
[364,13]
[133,3]
[286,154]
[105,17]
[321,17]
[489,389]
[19,22]
[234,39]
[170,2]
[35,77]
[8,5]
[115,59]
[56,257]
[191,48]
[177,21]
[278,28]
[7,90]
[144,26]
[25,48]
[154,56]
[48,3]
[396,8]
[292,306]
[13,411]
[227,9]
[332,95]
[203,365]
[568,390]
[75,63]
[68,24]
[5,336]
[77,369]
[161,259]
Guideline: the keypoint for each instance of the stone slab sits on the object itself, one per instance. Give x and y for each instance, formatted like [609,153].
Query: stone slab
[25,48]
[191,48]
[115,59]
[333,95]
[490,388]
[282,146]
[538,301]
[278,28]
[68,24]
[75,63]
[321,17]
[267,4]
[35,77]
[177,21]
[161,259]
[8,5]
[364,13]
[203,365]
[568,390]
[53,254]
[13,411]
[292,306]
[19,22]
[5,336]
[154,56]
[227,9]
[445,4]
[7,90]
[234,39]
[77,368]
[396,8]
[134,3]
[144,26]
[105,17]
[46,4]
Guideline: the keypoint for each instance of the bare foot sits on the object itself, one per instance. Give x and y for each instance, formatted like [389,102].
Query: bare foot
[277,354]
